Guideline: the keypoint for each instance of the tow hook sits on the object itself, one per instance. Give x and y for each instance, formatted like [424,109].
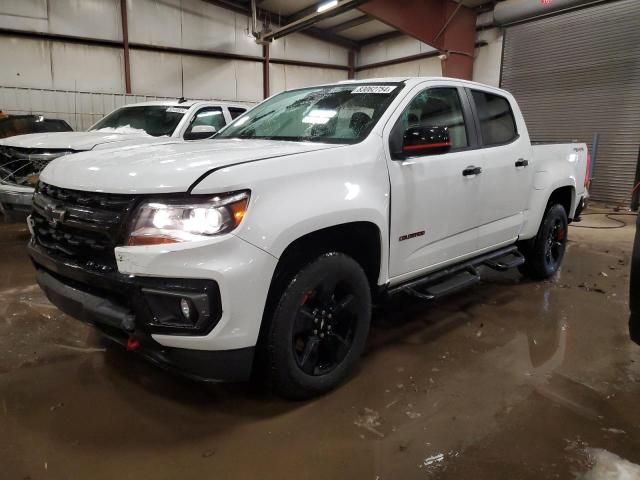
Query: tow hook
[133,343]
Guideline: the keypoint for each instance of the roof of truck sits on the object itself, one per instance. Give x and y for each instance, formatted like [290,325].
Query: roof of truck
[415,80]
[186,103]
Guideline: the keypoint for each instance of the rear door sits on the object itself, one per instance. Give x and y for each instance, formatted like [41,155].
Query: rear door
[506,180]
[434,207]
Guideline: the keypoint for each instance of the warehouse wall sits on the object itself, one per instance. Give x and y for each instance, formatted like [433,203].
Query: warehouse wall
[63,67]
[78,109]
[486,68]
[397,48]
[486,65]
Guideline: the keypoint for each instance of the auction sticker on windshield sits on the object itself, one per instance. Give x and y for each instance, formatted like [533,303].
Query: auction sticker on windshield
[176,109]
[374,89]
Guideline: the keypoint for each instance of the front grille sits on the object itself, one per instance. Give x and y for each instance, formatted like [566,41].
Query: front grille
[22,166]
[81,227]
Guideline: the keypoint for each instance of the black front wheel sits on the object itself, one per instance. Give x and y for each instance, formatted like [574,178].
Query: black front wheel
[544,253]
[319,327]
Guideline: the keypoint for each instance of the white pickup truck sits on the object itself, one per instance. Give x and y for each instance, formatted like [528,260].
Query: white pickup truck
[23,157]
[261,250]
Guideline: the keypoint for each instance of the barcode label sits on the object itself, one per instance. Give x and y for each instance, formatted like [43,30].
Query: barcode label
[374,89]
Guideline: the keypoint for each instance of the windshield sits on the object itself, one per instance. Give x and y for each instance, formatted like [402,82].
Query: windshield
[331,114]
[156,120]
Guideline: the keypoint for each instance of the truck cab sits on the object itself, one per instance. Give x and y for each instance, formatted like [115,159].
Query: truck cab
[259,252]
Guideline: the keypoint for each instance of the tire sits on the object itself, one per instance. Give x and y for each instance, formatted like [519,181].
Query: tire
[319,327]
[544,253]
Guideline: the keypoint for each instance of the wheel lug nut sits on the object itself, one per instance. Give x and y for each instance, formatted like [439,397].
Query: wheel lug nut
[322,335]
[315,332]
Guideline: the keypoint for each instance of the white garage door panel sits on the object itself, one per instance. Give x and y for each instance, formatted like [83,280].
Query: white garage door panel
[578,74]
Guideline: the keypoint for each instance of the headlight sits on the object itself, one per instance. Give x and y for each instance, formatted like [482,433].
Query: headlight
[180,221]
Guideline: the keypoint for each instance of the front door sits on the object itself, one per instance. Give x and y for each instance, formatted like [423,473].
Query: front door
[434,205]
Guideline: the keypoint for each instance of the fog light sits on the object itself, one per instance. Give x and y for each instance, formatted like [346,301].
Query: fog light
[185,306]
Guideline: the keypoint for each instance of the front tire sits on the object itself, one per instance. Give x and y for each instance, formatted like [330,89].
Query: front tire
[319,327]
[544,253]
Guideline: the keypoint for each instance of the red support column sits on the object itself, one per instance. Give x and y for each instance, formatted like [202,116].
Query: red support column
[352,65]
[443,24]
[459,40]
[125,46]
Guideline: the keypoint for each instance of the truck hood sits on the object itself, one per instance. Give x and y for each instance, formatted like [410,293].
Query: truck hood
[162,168]
[78,141]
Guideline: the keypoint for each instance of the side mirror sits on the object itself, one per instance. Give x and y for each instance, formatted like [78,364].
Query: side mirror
[200,132]
[419,141]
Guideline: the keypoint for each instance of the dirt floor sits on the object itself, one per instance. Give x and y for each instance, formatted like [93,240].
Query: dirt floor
[510,379]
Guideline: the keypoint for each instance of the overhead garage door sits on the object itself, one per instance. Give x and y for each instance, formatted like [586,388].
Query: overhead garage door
[577,74]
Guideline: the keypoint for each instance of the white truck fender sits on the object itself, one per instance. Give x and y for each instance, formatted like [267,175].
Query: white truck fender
[324,188]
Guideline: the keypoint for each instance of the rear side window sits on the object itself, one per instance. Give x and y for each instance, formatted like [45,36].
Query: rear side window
[236,112]
[497,123]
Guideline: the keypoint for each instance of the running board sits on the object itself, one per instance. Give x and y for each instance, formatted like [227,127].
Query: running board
[455,282]
[506,262]
[459,276]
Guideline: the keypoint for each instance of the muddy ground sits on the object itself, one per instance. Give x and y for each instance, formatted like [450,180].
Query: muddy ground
[509,379]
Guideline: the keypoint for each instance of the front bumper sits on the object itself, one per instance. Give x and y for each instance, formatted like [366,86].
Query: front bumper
[115,303]
[118,323]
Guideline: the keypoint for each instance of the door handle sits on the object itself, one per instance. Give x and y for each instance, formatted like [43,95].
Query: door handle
[521,162]
[471,170]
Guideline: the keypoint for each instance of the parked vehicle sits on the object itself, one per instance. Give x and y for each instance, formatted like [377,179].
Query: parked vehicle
[11,125]
[22,158]
[261,250]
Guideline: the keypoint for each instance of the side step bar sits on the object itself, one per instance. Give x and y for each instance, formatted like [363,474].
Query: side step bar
[451,284]
[462,275]
[506,262]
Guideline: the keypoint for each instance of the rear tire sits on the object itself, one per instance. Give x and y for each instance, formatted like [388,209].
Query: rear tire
[544,253]
[319,327]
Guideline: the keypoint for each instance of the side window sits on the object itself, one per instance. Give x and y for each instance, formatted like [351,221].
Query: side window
[208,116]
[497,123]
[236,112]
[437,107]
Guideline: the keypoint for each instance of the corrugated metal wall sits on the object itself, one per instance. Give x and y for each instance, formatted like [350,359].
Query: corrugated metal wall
[187,24]
[577,74]
[79,109]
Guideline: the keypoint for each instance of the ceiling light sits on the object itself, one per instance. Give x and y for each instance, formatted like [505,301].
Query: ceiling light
[327,5]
